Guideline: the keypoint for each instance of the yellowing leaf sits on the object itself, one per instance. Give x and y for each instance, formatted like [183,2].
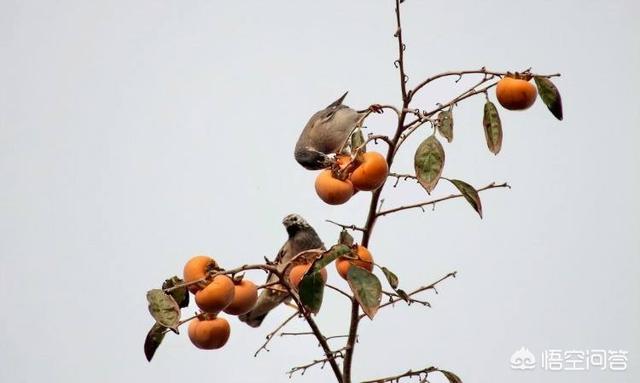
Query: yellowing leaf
[163,308]
[366,288]
[444,123]
[549,95]
[470,194]
[428,163]
[492,127]
[391,278]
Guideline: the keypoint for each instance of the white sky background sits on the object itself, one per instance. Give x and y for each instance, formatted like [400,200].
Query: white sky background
[134,135]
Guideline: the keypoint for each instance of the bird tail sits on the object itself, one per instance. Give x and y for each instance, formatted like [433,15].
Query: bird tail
[267,301]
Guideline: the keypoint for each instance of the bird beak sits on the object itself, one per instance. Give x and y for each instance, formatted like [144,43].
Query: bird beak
[338,101]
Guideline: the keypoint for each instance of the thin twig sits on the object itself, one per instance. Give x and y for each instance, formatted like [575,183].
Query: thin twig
[349,227]
[434,201]
[302,369]
[432,286]
[339,290]
[273,333]
[421,374]
[461,73]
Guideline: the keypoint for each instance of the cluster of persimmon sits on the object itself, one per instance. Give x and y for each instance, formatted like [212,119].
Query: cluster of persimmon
[213,295]
[515,91]
[365,171]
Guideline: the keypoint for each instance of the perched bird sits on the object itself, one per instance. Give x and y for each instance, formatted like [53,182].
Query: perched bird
[301,237]
[325,133]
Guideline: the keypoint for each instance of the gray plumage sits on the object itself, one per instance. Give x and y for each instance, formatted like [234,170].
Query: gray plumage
[326,131]
[301,237]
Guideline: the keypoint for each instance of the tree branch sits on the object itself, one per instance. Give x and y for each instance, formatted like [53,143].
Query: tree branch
[432,202]
[432,286]
[461,73]
[321,362]
[273,333]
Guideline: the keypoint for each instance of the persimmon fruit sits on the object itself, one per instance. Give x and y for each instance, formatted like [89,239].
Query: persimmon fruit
[209,333]
[217,295]
[245,297]
[371,173]
[197,268]
[365,261]
[332,190]
[515,93]
[297,273]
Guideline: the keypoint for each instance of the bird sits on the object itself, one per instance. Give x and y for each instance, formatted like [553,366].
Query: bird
[301,237]
[325,133]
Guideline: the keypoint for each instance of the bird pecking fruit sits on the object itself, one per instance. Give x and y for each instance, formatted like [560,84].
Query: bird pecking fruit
[371,173]
[332,190]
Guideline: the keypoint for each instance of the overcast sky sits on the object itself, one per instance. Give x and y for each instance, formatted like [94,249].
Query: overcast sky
[135,134]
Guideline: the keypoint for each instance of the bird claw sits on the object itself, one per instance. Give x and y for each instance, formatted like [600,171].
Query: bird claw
[376,108]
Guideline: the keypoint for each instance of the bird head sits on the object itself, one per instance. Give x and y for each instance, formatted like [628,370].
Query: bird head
[293,223]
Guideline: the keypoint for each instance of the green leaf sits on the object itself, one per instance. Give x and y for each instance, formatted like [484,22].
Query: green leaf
[366,288]
[451,377]
[492,127]
[403,295]
[153,340]
[470,194]
[428,162]
[357,140]
[163,308]
[329,256]
[345,238]
[391,278]
[549,95]
[444,123]
[311,290]
[181,295]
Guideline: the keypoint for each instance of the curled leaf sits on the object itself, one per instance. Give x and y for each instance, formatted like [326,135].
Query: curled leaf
[366,288]
[311,290]
[163,308]
[345,238]
[470,194]
[391,277]
[329,256]
[492,127]
[451,377]
[153,340]
[444,123]
[357,141]
[549,95]
[403,295]
[428,163]
[181,295]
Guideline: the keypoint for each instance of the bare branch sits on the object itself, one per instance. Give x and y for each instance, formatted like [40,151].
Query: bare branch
[421,374]
[434,201]
[349,227]
[322,362]
[273,333]
[461,73]
[432,286]
[339,290]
